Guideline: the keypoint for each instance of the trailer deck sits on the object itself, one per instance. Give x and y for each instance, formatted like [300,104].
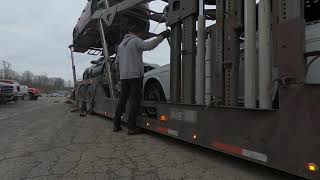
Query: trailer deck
[274,122]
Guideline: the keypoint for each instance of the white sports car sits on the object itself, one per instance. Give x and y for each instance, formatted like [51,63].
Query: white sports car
[156,86]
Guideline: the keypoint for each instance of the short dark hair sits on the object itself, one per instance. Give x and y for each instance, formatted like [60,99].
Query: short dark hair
[135,29]
[137,26]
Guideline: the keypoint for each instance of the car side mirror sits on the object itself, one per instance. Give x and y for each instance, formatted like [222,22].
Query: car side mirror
[94,62]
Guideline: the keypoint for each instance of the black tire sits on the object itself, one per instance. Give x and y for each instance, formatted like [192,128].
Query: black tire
[81,97]
[90,100]
[15,99]
[153,92]
[29,97]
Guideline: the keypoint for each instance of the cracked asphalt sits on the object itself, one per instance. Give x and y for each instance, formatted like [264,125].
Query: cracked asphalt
[43,140]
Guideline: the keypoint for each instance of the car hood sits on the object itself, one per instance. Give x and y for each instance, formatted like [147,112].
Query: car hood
[5,84]
[162,69]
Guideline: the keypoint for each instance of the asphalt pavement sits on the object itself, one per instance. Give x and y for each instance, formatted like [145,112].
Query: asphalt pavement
[43,140]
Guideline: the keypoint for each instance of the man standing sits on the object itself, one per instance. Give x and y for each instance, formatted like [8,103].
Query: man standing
[131,68]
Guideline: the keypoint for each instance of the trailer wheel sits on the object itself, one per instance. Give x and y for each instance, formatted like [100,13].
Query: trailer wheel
[81,97]
[90,100]
[153,92]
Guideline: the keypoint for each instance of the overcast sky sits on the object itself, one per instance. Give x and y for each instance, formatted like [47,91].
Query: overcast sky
[35,34]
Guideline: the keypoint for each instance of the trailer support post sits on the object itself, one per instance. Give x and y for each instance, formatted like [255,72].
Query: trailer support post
[233,24]
[265,60]
[208,73]
[218,63]
[201,50]
[250,54]
[188,60]
[73,65]
[106,56]
[175,63]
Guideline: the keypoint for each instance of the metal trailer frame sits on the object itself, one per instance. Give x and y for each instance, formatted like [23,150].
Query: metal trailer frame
[285,137]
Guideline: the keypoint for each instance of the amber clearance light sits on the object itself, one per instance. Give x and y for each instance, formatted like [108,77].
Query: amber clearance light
[163,118]
[312,167]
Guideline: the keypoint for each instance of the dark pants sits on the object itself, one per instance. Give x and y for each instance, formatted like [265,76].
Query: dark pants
[132,89]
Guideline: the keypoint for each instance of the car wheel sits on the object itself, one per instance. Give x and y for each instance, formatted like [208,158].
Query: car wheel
[154,92]
[81,97]
[90,100]
[28,97]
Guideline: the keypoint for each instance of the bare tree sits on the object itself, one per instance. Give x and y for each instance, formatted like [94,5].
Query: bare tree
[42,82]
[27,78]
[6,71]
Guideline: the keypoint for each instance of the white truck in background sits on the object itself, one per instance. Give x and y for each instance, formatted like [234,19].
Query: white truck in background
[16,88]
[6,92]
[24,92]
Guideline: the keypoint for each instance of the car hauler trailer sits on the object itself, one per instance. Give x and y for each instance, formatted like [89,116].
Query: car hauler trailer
[271,117]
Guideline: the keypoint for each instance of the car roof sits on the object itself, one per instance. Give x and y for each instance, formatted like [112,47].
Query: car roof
[3,83]
[8,81]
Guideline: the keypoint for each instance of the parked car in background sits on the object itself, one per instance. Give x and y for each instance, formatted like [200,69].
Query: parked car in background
[34,93]
[16,87]
[6,92]
[53,95]
[24,92]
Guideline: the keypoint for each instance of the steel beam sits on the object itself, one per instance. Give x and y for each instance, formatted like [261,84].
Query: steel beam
[265,60]
[250,54]
[288,52]
[106,56]
[232,31]
[201,50]
[175,63]
[208,71]
[218,79]
[188,60]
[73,65]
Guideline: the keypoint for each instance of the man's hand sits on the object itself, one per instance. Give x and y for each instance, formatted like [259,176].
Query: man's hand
[165,34]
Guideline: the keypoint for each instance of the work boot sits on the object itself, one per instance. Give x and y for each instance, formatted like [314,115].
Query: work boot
[83,114]
[117,129]
[135,131]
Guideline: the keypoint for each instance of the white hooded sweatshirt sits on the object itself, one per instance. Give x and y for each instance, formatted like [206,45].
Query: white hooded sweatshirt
[130,53]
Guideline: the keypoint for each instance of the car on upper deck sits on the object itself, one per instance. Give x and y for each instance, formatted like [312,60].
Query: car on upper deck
[86,34]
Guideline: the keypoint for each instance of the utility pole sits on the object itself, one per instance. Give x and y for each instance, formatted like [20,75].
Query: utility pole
[71,47]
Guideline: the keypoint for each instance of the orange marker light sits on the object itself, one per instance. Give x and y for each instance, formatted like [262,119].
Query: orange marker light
[312,167]
[163,118]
